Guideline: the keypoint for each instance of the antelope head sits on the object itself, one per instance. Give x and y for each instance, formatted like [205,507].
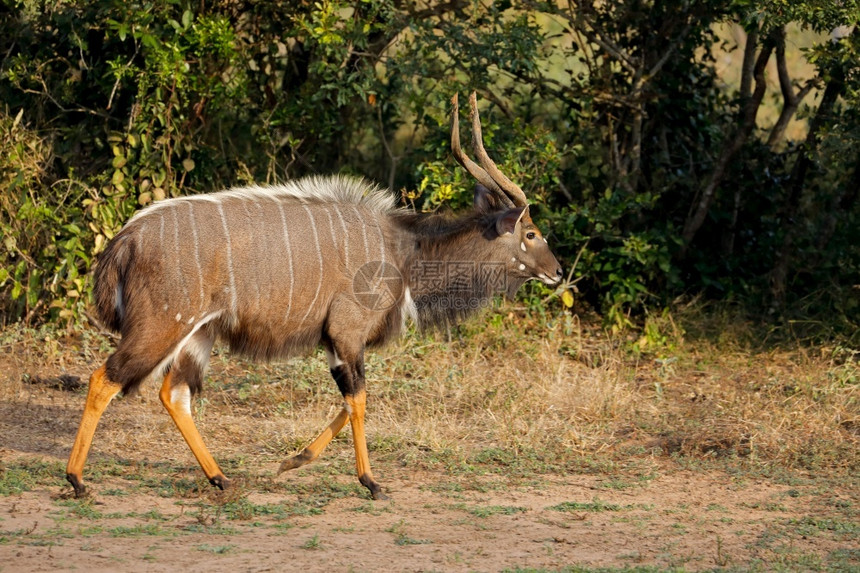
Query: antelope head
[519,242]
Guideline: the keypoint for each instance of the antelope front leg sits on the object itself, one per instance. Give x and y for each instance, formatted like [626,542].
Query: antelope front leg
[99,395]
[347,369]
[356,406]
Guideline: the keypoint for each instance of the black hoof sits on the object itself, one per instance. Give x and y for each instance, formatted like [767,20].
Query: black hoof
[296,461]
[375,490]
[378,494]
[220,482]
[80,490]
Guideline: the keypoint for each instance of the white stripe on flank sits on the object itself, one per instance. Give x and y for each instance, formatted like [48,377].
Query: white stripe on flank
[331,228]
[179,258]
[289,258]
[141,233]
[381,241]
[345,234]
[382,269]
[233,294]
[161,231]
[363,234]
[252,231]
[193,223]
[319,258]
[162,367]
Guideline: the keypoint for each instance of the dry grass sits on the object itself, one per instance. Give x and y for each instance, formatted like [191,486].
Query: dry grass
[559,394]
[693,444]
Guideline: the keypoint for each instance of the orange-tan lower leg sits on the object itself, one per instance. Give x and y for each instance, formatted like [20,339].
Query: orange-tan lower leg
[356,406]
[316,447]
[177,401]
[99,395]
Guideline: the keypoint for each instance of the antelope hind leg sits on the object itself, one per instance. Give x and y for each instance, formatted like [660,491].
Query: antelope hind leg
[101,392]
[316,447]
[177,401]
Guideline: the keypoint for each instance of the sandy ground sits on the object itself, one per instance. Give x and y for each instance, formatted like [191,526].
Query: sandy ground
[694,520]
[152,510]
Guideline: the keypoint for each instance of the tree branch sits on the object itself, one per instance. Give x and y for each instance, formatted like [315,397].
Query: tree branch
[791,101]
[745,128]
[792,206]
[748,65]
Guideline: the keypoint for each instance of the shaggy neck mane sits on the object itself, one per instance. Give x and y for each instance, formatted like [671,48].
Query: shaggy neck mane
[331,189]
[451,269]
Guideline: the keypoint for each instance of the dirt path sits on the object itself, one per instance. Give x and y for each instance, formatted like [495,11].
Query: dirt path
[152,509]
[432,523]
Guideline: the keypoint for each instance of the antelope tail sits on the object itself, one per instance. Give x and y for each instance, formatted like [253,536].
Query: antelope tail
[108,292]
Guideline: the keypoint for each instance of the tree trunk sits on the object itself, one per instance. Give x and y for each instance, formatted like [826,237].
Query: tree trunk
[841,204]
[791,209]
[746,124]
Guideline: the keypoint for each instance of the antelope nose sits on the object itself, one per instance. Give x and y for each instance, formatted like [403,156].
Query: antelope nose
[558,272]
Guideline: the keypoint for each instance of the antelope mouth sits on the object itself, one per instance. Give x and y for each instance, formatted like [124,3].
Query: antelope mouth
[547,280]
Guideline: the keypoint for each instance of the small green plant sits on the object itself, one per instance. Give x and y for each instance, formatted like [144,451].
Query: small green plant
[595,505]
[721,559]
[400,536]
[216,549]
[487,511]
[26,475]
[141,530]
[312,543]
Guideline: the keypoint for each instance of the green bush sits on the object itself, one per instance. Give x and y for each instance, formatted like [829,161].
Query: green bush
[613,118]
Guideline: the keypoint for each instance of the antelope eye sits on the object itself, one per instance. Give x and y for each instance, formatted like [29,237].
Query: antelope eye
[530,236]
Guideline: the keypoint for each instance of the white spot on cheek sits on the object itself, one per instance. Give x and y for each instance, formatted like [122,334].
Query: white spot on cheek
[178,317]
[513,259]
[165,307]
[522,267]
[181,397]
[190,320]
[523,246]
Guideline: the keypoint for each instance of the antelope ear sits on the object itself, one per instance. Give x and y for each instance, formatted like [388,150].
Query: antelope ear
[507,221]
[485,200]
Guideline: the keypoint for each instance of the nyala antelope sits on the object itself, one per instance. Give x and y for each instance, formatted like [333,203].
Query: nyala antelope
[276,271]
